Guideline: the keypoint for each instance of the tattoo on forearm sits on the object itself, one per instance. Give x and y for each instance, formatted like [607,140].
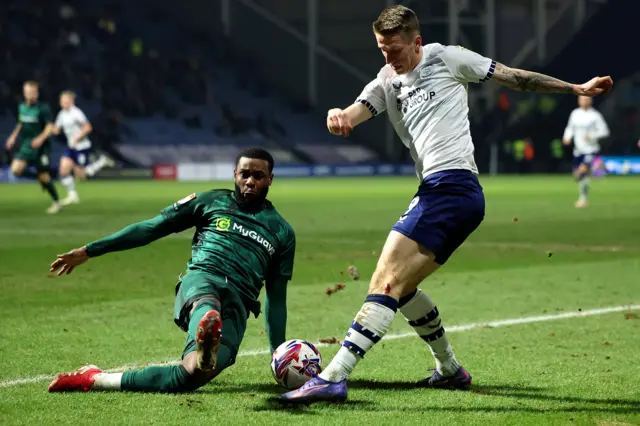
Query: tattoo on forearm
[528,81]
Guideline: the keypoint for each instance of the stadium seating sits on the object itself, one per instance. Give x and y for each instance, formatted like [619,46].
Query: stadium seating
[178,96]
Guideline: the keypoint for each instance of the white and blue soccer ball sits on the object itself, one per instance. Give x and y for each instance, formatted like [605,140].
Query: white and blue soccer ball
[295,362]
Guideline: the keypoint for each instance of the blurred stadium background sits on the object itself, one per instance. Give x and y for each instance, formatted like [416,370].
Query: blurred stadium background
[174,93]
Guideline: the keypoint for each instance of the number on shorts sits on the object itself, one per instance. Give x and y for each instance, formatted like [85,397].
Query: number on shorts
[412,204]
[81,159]
[44,160]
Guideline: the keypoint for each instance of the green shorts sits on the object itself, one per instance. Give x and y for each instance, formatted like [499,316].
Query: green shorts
[38,157]
[194,286]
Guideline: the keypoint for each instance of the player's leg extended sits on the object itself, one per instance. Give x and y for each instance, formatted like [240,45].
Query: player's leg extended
[582,174]
[440,217]
[184,377]
[102,162]
[403,264]
[47,183]
[67,179]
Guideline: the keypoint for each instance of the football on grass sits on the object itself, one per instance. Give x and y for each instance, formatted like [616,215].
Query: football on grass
[295,362]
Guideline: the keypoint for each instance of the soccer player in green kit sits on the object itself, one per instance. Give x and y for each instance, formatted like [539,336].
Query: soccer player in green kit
[35,125]
[240,241]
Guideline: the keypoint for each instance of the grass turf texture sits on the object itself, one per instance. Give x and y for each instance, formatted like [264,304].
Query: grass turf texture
[117,310]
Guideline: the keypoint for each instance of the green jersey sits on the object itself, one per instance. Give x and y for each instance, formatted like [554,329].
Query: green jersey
[33,119]
[245,248]
[241,247]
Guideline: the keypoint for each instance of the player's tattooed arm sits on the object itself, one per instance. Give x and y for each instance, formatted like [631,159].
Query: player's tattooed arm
[528,81]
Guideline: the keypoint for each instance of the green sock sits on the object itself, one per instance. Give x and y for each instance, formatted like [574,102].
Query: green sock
[226,358]
[51,189]
[205,306]
[171,379]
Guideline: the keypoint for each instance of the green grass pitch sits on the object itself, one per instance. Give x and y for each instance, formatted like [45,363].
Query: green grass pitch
[116,311]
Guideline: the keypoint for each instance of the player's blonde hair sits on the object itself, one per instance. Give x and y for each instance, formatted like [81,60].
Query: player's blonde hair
[399,20]
[69,93]
[32,83]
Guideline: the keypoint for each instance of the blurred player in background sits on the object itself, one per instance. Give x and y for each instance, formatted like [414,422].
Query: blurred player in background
[423,88]
[73,122]
[33,129]
[585,128]
[240,241]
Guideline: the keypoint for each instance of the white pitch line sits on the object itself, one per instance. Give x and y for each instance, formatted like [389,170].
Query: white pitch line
[452,329]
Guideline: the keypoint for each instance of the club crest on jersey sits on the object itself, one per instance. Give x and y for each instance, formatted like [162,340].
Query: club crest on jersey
[223,223]
[396,84]
[426,72]
[183,201]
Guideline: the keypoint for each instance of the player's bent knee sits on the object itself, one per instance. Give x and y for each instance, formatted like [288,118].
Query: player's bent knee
[17,169]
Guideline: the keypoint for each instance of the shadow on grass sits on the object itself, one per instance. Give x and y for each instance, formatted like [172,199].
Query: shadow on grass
[559,403]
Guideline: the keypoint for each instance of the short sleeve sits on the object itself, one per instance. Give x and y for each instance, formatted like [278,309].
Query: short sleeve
[45,114]
[79,117]
[59,119]
[467,66]
[184,213]
[372,97]
[286,257]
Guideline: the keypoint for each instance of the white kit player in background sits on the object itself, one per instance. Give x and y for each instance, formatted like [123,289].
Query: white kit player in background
[76,127]
[423,89]
[585,128]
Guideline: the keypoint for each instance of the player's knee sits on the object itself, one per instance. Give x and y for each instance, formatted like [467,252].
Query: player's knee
[17,170]
[44,178]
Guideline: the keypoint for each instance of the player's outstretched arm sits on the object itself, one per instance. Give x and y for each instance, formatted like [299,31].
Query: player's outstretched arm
[528,81]
[342,121]
[136,235]
[65,263]
[276,311]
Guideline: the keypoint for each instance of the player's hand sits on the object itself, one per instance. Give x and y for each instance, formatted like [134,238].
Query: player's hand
[11,140]
[338,122]
[36,142]
[594,87]
[65,263]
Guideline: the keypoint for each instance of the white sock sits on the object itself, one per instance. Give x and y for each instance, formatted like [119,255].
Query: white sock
[369,326]
[584,188]
[69,183]
[423,316]
[96,166]
[107,381]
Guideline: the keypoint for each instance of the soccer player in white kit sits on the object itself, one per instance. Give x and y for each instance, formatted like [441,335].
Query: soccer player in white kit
[76,127]
[424,91]
[585,128]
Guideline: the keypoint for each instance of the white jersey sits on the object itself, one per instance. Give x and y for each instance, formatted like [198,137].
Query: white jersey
[586,127]
[428,107]
[71,122]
